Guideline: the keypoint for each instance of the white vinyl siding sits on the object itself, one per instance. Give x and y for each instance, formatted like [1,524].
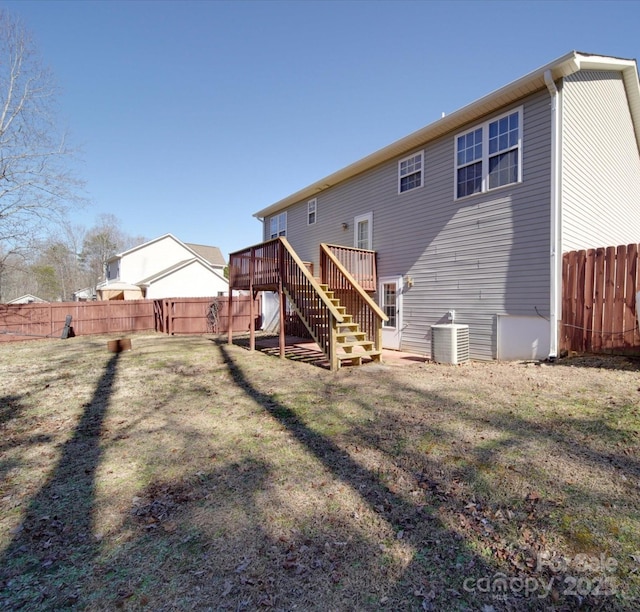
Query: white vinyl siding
[600,163]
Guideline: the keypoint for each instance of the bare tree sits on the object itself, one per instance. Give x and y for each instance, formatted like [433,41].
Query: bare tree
[36,186]
[101,242]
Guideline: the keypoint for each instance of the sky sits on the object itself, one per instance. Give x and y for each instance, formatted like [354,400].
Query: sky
[192,116]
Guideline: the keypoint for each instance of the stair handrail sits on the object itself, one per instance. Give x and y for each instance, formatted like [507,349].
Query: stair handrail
[353,282]
[312,281]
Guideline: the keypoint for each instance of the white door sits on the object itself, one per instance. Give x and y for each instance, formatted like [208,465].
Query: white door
[390,299]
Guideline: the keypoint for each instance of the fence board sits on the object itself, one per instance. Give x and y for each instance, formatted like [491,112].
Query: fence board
[631,286]
[599,299]
[176,316]
[619,296]
[608,330]
[587,300]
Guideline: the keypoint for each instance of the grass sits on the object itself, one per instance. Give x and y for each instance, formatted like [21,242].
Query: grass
[189,474]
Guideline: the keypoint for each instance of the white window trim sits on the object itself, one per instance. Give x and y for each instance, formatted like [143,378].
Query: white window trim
[401,176]
[356,220]
[279,231]
[312,209]
[485,154]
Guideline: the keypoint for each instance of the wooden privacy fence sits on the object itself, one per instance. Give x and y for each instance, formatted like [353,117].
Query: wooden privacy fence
[170,316]
[204,315]
[599,289]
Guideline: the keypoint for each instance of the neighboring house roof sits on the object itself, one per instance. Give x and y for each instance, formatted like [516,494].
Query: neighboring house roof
[117,286]
[175,268]
[511,93]
[212,254]
[190,247]
[26,299]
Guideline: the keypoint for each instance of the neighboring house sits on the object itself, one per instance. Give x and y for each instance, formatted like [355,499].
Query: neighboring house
[88,294]
[471,214]
[163,268]
[27,299]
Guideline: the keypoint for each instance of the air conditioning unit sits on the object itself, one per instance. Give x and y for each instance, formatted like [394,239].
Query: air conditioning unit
[450,343]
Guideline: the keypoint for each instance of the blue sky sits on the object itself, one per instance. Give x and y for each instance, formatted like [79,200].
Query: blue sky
[191,116]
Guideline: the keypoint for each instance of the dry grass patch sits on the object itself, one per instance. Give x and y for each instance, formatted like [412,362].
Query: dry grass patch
[189,474]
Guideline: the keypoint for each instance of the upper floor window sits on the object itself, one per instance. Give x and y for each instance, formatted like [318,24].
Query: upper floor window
[113,270]
[490,155]
[278,225]
[410,172]
[311,211]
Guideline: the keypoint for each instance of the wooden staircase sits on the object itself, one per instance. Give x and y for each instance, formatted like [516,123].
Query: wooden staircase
[351,344]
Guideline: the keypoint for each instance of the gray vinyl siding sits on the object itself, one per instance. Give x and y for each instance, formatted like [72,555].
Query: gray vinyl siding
[600,163]
[483,255]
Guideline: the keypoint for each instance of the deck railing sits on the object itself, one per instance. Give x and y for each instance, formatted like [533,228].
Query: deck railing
[360,263]
[350,292]
[255,267]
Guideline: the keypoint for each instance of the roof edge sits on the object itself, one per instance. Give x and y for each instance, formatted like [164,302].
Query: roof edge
[564,66]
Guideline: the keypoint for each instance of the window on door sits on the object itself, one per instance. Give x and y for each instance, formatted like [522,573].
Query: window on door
[389,304]
[363,231]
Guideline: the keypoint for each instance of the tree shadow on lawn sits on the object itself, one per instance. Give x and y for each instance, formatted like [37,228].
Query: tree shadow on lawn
[490,478]
[441,560]
[54,540]
[457,483]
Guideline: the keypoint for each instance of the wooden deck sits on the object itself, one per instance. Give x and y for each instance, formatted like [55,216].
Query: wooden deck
[336,309]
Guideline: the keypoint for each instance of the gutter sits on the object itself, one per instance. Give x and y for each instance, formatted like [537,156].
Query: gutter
[555,247]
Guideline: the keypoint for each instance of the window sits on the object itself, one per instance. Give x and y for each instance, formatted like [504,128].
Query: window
[363,231]
[489,156]
[278,225]
[311,211]
[113,270]
[410,173]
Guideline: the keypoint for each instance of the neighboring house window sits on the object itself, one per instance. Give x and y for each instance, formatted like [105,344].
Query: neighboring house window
[410,172]
[363,231]
[278,225]
[311,211]
[113,270]
[489,156]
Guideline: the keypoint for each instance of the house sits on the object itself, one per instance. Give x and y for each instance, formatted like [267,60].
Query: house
[88,294]
[468,217]
[163,268]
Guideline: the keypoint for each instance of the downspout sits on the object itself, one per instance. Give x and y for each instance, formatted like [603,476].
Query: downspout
[555,306]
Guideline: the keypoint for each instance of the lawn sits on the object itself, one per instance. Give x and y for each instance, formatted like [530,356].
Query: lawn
[187,474]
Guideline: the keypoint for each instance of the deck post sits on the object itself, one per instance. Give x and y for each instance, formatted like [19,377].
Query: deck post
[379,336]
[283,306]
[230,316]
[252,324]
[283,300]
[334,364]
